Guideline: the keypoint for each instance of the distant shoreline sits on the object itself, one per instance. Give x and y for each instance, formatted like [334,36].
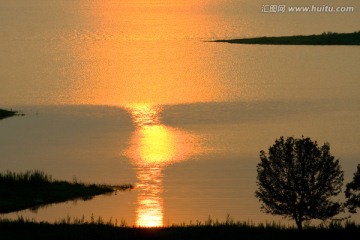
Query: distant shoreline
[321,39]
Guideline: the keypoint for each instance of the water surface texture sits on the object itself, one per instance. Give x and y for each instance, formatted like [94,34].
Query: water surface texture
[132,92]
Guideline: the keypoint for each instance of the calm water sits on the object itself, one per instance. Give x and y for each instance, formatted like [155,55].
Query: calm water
[130,92]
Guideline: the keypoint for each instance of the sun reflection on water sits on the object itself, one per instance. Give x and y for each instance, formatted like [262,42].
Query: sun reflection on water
[152,147]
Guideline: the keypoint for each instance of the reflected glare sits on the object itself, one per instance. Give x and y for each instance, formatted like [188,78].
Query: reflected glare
[156,145]
[145,114]
[152,147]
[135,52]
[150,209]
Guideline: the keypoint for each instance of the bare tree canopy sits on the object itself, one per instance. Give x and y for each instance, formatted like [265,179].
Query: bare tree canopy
[297,179]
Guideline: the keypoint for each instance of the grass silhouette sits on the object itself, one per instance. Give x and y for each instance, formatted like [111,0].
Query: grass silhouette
[33,189]
[98,229]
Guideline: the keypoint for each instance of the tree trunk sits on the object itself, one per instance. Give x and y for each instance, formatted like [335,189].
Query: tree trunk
[299,235]
[299,224]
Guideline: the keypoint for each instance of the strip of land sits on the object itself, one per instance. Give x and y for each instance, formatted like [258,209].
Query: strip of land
[6,113]
[321,39]
[22,229]
[33,189]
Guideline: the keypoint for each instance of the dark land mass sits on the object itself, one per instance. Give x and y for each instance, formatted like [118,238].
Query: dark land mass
[34,189]
[6,113]
[21,229]
[322,39]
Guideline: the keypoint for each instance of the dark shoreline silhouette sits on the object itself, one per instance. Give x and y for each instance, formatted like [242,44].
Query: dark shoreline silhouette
[35,189]
[6,113]
[328,38]
[98,229]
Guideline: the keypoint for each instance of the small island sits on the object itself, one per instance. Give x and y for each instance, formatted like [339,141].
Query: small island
[326,38]
[33,189]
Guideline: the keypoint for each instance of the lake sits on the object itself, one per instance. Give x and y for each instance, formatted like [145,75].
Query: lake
[132,92]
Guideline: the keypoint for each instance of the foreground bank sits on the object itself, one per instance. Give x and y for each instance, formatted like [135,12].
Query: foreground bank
[21,229]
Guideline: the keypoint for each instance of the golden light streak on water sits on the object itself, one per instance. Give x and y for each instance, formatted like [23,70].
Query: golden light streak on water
[153,146]
[132,52]
[150,207]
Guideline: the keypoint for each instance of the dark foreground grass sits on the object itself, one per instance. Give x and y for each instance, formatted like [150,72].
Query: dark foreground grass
[34,189]
[321,39]
[21,229]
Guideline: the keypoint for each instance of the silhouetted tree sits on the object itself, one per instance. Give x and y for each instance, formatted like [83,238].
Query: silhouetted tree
[352,192]
[297,180]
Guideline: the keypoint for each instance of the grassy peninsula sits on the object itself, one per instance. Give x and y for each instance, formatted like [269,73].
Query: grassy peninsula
[33,189]
[328,38]
[6,113]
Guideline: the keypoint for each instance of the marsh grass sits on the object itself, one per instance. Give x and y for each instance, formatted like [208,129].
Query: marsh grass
[34,189]
[326,38]
[97,228]
[31,178]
